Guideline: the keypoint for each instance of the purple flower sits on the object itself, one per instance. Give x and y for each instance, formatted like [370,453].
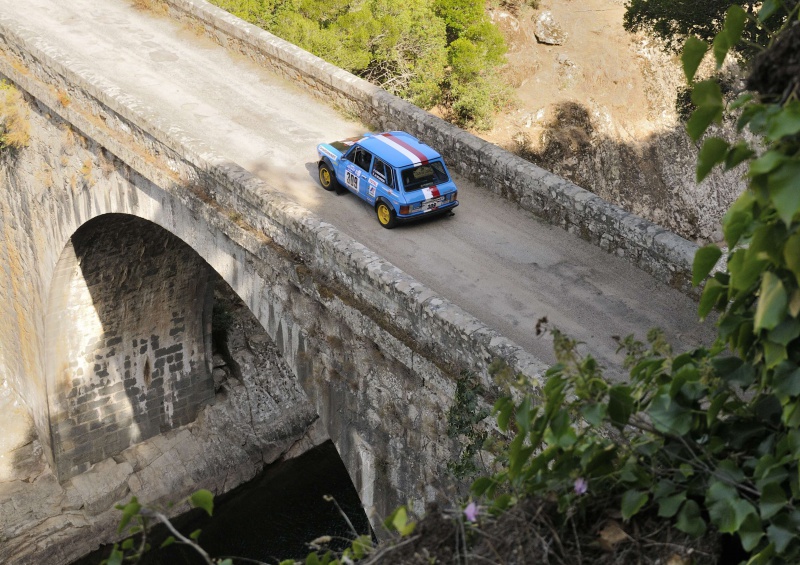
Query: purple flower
[471,512]
[581,486]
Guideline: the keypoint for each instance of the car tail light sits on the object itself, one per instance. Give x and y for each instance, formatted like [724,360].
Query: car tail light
[454,196]
[404,209]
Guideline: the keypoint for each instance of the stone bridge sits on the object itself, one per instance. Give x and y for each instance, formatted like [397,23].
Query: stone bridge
[114,225]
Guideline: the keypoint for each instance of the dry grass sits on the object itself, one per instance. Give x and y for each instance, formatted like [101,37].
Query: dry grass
[63,98]
[14,118]
[86,168]
[535,532]
[151,5]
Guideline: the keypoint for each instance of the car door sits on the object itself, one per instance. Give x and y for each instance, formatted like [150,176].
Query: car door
[381,182]
[356,173]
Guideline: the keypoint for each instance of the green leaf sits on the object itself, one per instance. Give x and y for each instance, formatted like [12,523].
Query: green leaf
[399,521]
[116,557]
[714,151]
[784,123]
[738,218]
[361,546]
[787,382]
[669,416]
[791,254]
[750,532]
[707,94]
[738,154]
[773,500]
[502,502]
[735,19]
[693,52]
[729,513]
[784,190]
[203,499]
[720,46]
[704,260]
[740,101]
[689,519]
[774,354]
[771,303]
[745,268]
[195,534]
[128,511]
[620,405]
[503,407]
[743,376]
[710,297]
[523,415]
[167,542]
[729,471]
[790,415]
[701,118]
[768,8]
[794,303]
[781,536]
[669,506]
[766,163]
[594,413]
[786,332]
[481,485]
[632,502]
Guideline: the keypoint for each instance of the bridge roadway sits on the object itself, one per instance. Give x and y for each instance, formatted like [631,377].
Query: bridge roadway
[497,262]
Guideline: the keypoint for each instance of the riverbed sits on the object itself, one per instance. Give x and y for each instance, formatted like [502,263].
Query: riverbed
[273,516]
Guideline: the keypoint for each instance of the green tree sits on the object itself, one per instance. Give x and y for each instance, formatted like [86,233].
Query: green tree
[430,52]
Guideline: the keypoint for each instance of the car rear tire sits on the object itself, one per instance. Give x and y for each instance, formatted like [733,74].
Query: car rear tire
[326,177]
[386,216]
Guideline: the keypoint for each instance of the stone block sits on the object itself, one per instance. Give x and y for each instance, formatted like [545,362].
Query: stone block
[103,485]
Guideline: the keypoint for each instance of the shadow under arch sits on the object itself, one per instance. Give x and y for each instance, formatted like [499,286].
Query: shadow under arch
[127,340]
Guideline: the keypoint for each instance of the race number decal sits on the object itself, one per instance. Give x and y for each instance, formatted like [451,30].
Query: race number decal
[351,179]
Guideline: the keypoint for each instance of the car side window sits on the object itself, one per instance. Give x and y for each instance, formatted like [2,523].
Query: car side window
[383,173]
[362,158]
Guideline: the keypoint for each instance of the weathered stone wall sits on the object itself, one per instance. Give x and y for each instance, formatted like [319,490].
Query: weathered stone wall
[127,340]
[665,255]
[377,352]
[259,414]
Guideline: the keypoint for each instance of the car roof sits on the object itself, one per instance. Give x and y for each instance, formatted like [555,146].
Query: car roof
[398,148]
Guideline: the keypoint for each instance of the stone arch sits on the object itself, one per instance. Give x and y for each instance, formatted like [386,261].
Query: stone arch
[127,340]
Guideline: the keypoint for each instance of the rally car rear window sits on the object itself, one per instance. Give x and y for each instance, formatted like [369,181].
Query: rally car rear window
[423,176]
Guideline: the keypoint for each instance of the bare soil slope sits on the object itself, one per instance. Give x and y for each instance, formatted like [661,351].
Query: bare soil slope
[599,109]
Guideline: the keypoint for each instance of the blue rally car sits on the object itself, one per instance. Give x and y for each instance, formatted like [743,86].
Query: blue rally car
[401,177]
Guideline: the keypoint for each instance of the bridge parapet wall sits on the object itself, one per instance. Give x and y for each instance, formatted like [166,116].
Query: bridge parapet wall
[656,250]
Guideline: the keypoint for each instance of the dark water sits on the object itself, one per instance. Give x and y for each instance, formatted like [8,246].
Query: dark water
[273,516]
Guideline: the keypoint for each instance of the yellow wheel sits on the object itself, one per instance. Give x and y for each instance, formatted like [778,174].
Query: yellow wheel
[326,177]
[386,215]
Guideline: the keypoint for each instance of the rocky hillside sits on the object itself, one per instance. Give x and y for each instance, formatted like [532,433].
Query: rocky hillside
[596,105]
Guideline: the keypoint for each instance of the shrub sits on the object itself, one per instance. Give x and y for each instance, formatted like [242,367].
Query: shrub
[707,439]
[14,118]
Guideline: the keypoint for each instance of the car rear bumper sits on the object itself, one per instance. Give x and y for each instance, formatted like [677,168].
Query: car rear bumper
[419,215]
